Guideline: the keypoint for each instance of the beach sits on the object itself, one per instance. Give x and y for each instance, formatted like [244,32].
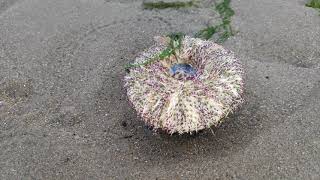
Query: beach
[64,113]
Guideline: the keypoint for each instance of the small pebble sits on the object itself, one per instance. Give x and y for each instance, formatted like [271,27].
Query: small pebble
[124,124]
[147,130]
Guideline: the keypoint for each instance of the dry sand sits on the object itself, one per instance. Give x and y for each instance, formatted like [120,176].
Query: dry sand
[64,113]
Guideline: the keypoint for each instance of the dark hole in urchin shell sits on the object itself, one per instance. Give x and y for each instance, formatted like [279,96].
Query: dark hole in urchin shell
[182,71]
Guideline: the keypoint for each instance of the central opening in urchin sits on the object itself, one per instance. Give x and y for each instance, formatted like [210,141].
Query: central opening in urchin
[182,71]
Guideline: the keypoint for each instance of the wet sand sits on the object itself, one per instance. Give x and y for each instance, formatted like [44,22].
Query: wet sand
[64,112]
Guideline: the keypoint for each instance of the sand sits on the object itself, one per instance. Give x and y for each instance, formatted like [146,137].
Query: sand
[64,113]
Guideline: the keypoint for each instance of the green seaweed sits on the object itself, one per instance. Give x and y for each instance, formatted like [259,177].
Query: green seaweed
[165,5]
[314,4]
[224,28]
[208,32]
[224,9]
[174,45]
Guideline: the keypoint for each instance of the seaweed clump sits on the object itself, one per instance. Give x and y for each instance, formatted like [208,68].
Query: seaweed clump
[224,28]
[165,5]
[173,45]
[314,4]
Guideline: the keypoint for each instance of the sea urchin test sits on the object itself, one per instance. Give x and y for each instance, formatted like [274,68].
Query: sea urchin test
[191,89]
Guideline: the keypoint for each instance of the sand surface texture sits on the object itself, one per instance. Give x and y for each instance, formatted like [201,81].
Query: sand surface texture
[64,113]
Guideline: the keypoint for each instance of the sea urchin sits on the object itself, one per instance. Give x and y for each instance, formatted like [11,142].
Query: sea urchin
[193,89]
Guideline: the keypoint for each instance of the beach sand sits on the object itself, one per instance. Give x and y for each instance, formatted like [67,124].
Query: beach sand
[64,112]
